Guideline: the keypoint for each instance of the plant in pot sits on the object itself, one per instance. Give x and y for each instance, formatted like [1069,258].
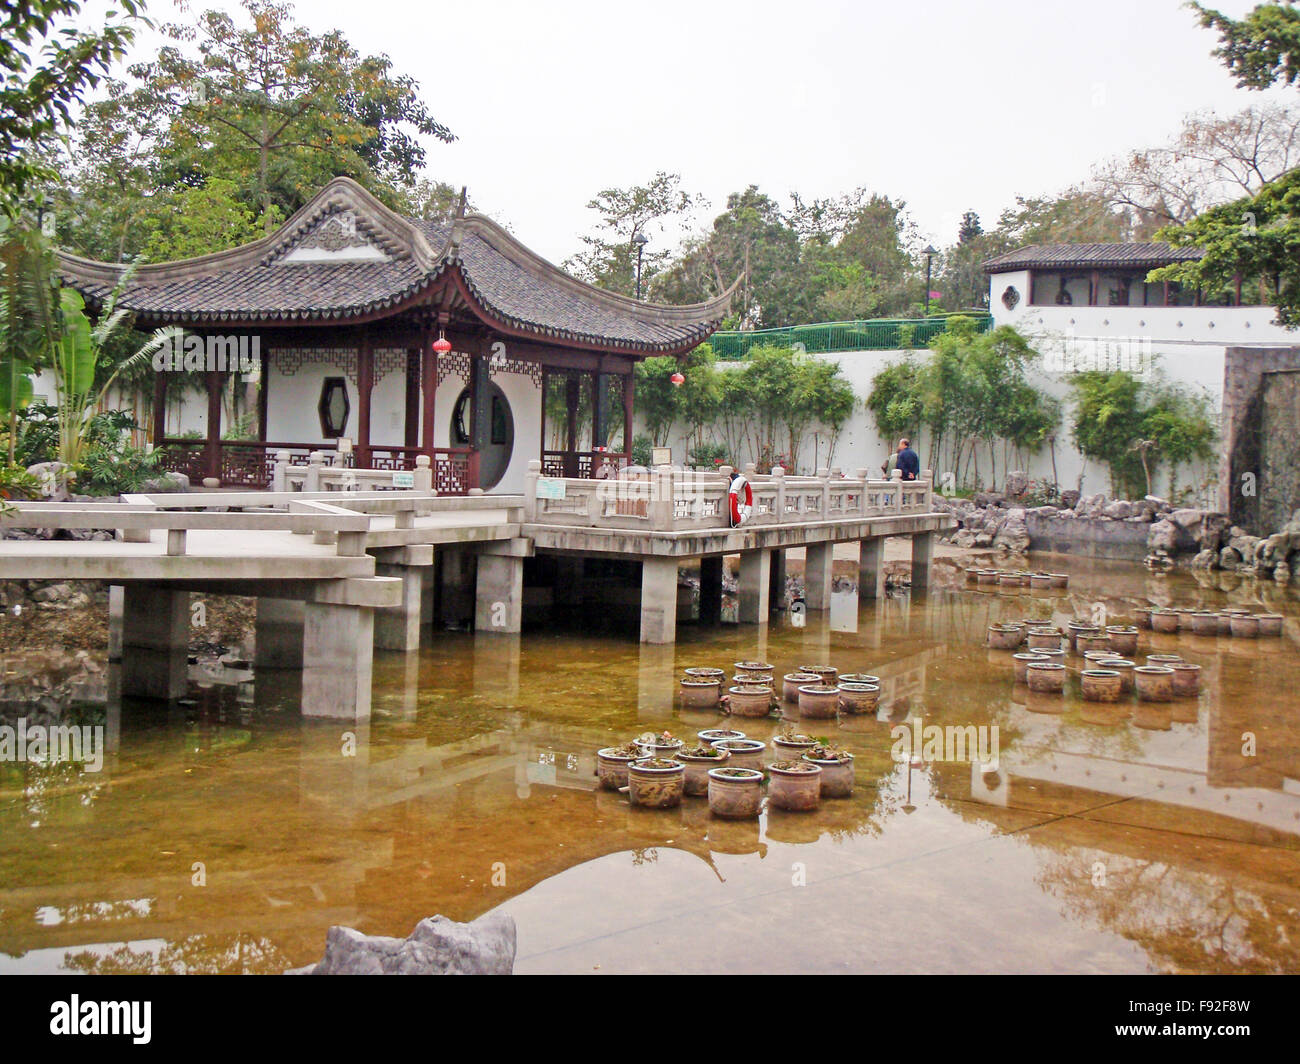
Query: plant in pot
[745,753]
[794,785]
[656,782]
[750,700]
[818,701]
[699,760]
[665,744]
[791,745]
[699,694]
[612,763]
[735,793]
[858,697]
[836,764]
[713,735]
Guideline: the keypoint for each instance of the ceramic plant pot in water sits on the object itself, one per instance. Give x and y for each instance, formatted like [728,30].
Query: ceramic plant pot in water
[1166,621]
[1101,685]
[817,701]
[612,763]
[1008,579]
[1125,669]
[735,793]
[716,735]
[1040,581]
[750,701]
[1096,640]
[859,697]
[1020,665]
[791,746]
[1075,628]
[792,681]
[860,677]
[1245,626]
[754,667]
[1043,639]
[1270,624]
[826,674]
[1142,616]
[701,673]
[1005,636]
[661,746]
[656,783]
[794,785]
[1155,683]
[988,576]
[753,679]
[699,761]
[837,771]
[1046,677]
[1123,639]
[1060,580]
[745,753]
[1205,623]
[1187,680]
[699,694]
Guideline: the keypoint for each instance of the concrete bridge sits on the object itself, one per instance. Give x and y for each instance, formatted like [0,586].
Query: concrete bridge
[342,561]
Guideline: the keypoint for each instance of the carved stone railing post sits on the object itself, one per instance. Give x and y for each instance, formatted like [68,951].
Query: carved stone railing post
[280,472]
[778,478]
[530,489]
[315,463]
[423,473]
[661,499]
[862,495]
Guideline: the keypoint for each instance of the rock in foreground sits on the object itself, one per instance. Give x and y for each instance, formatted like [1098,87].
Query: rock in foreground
[437,946]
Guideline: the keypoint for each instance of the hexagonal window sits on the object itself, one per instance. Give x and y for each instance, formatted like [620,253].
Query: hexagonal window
[333,407]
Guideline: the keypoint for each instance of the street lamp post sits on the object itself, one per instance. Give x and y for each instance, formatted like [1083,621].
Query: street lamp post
[640,240]
[930,252]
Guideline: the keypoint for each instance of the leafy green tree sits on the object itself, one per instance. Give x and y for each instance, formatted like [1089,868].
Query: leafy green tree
[47,64]
[195,220]
[1108,420]
[610,257]
[1257,236]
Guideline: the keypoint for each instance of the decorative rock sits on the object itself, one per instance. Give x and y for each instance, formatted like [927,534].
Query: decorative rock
[437,946]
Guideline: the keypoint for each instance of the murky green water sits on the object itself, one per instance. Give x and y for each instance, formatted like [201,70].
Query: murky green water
[228,835]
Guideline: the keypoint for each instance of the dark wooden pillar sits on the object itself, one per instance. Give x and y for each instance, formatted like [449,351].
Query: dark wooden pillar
[628,383]
[212,450]
[365,385]
[572,392]
[411,418]
[480,413]
[263,392]
[1094,289]
[430,391]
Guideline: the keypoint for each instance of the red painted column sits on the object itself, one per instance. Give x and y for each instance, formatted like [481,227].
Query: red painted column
[212,450]
[430,391]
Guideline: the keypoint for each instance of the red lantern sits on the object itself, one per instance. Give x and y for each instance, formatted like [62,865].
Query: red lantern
[441,345]
[677,379]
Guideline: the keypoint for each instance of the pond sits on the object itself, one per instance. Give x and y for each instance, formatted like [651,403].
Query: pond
[226,834]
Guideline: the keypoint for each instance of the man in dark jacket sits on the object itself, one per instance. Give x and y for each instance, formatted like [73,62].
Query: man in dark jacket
[908,460]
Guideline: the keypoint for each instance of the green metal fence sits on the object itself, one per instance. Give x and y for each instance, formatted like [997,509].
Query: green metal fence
[877,334]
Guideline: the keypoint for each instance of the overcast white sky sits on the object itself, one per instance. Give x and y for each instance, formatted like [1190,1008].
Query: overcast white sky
[948,104]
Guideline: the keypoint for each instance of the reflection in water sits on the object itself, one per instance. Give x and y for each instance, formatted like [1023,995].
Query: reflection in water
[226,834]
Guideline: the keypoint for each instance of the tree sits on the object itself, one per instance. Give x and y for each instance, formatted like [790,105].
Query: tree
[1211,161]
[1255,236]
[970,227]
[610,258]
[47,64]
[261,103]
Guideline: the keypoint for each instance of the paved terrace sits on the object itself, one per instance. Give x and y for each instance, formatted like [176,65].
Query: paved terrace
[343,561]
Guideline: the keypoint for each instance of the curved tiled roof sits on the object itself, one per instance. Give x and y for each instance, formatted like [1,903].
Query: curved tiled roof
[1087,256]
[514,288]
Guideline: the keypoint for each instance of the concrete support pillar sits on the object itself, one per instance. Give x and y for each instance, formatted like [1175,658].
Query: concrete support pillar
[922,555]
[337,661]
[457,576]
[155,642]
[711,590]
[116,604]
[398,627]
[755,586]
[817,575]
[499,596]
[776,578]
[658,600]
[278,634]
[871,569]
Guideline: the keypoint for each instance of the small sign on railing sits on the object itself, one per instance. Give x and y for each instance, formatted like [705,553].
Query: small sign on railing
[403,479]
[550,488]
